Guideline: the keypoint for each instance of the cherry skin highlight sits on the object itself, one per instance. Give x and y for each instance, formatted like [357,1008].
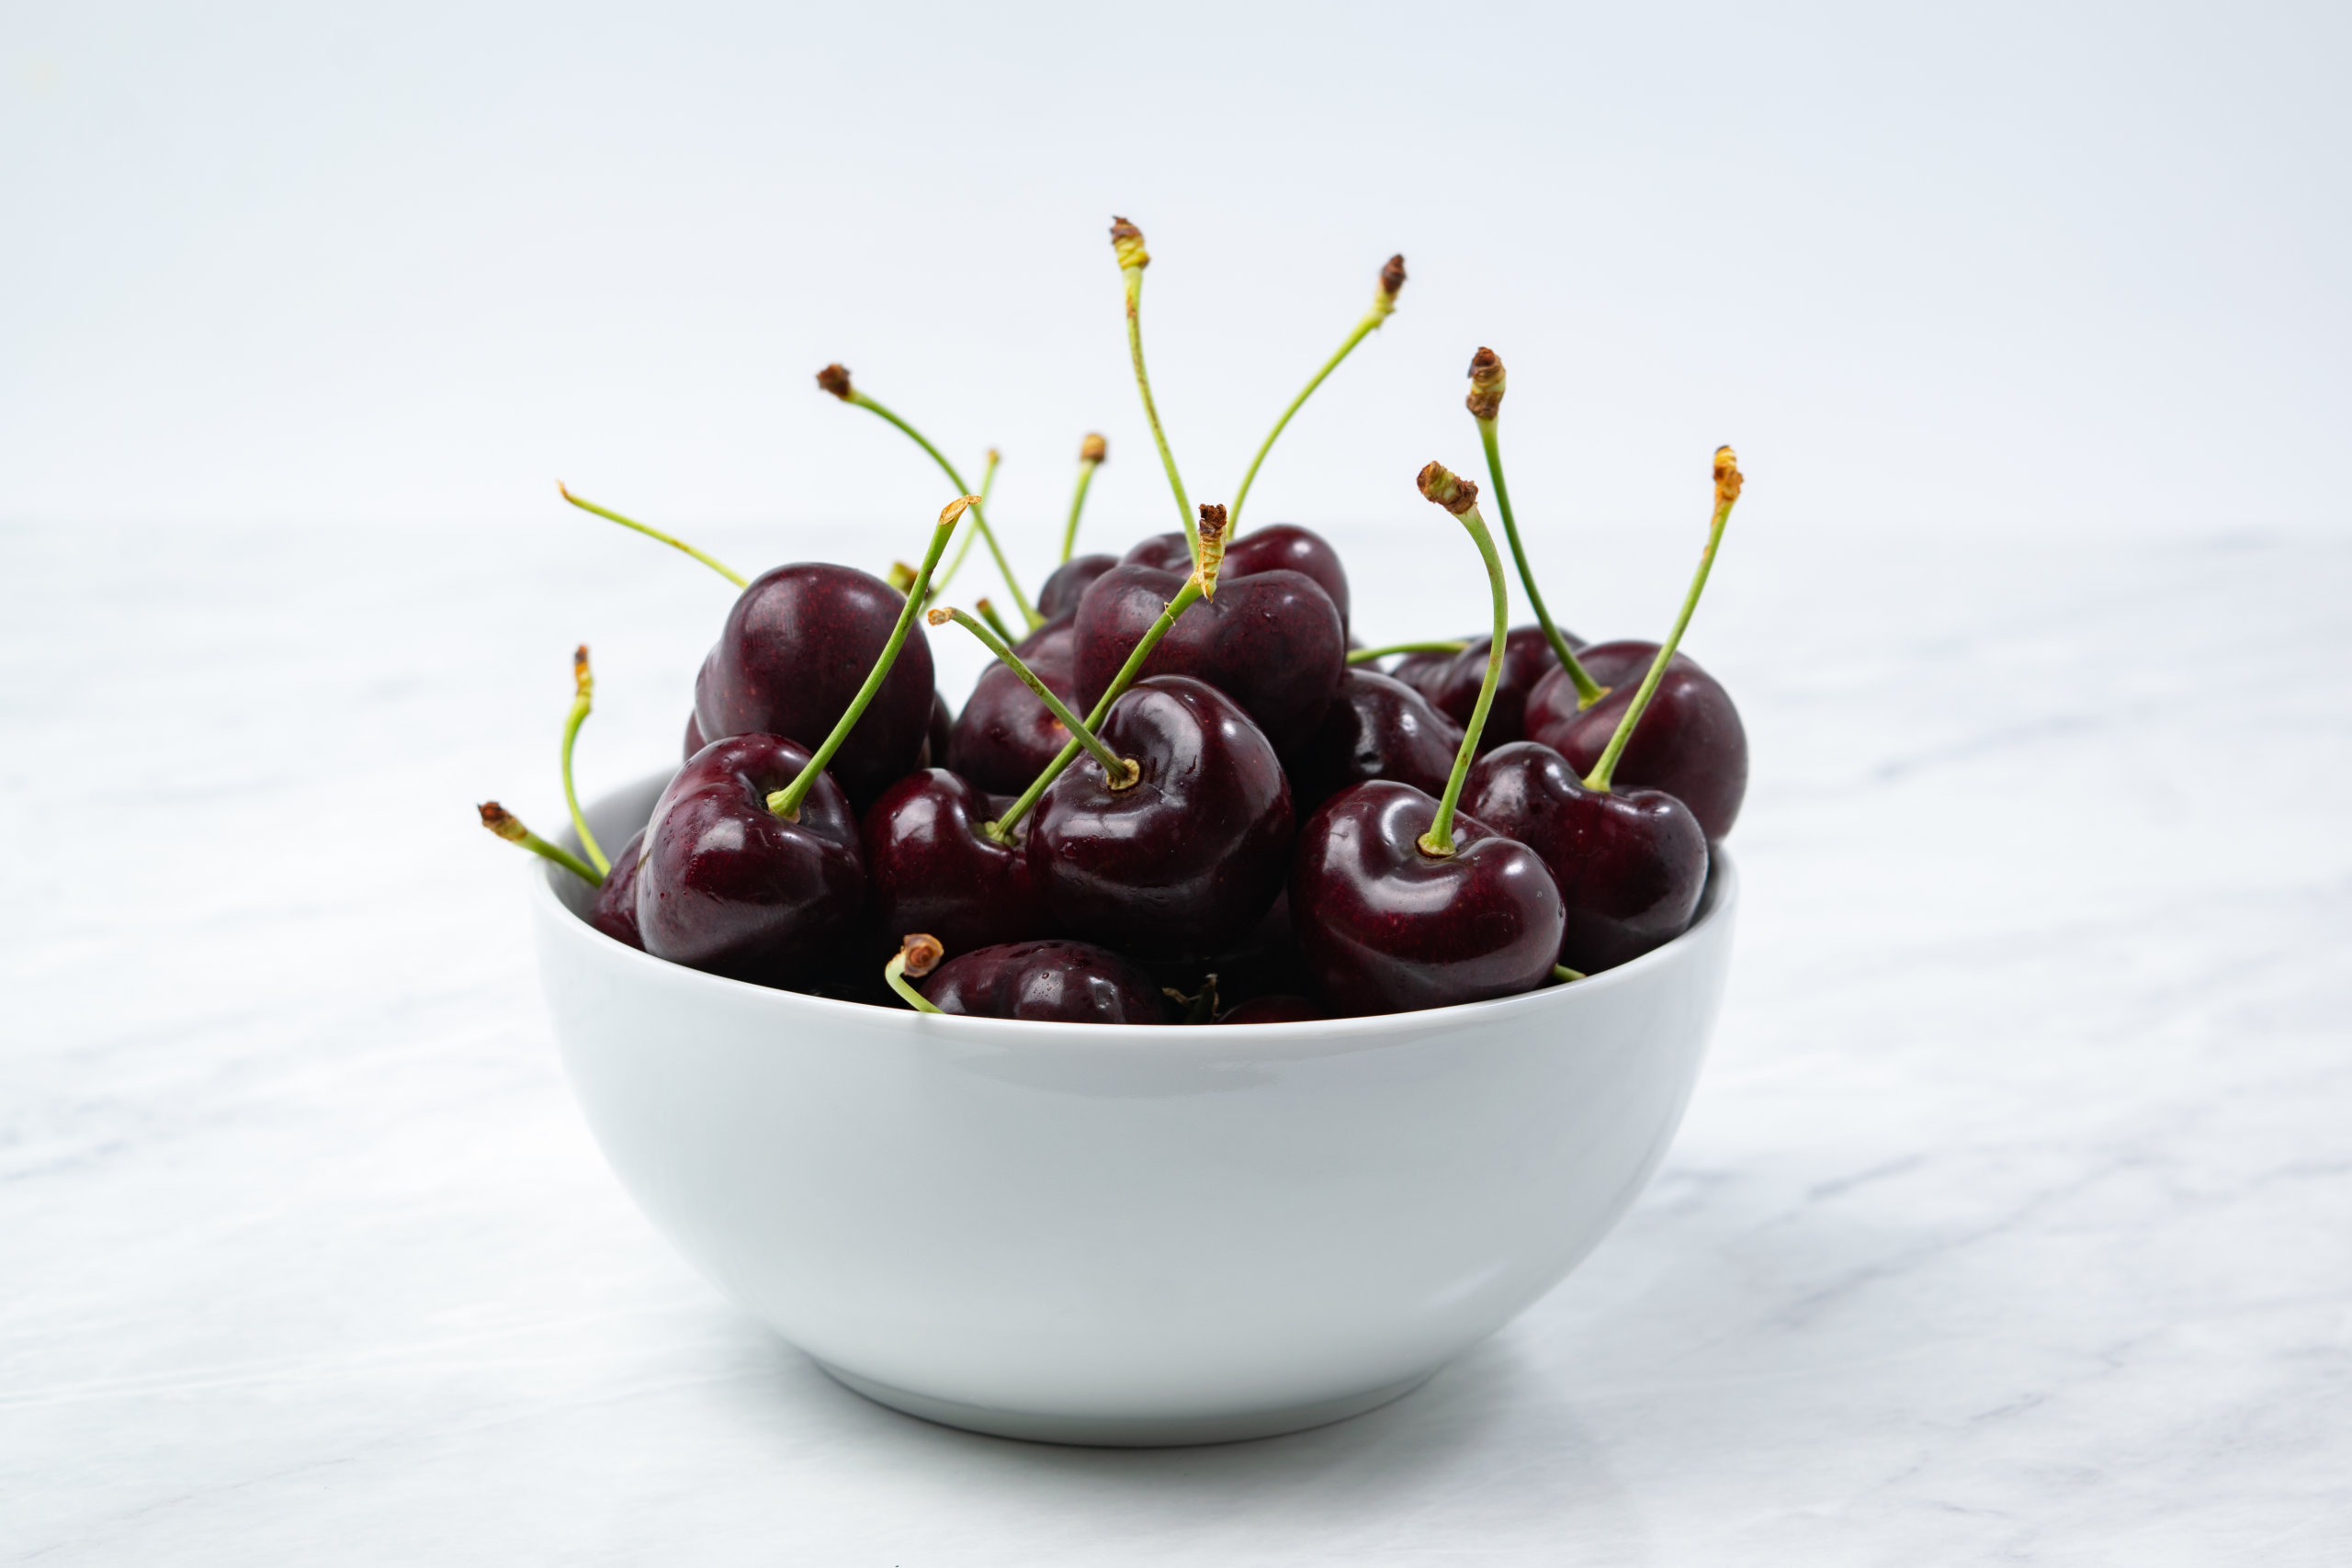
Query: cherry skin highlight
[1004,736]
[930,868]
[1186,859]
[1058,600]
[1387,927]
[1630,864]
[1378,728]
[1046,982]
[726,886]
[1689,742]
[1451,680]
[797,646]
[613,909]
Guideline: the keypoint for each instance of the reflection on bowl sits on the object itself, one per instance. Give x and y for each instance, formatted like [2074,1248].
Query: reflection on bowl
[1125,1234]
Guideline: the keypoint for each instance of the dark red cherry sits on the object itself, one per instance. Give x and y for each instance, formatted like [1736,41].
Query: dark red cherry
[930,868]
[1004,736]
[1689,742]
[1630,864]
[1272,641]
[1275,1008]
[613,909]
[1378,728]
[1388,928]
[726,886]
[1055,982]
[1284,547]
[1058,600]
[796,646]
[1184,861]
[695,742]
[937,734]
[1451,680]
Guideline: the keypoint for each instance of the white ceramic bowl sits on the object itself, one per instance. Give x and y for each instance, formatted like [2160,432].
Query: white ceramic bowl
[1125,1234]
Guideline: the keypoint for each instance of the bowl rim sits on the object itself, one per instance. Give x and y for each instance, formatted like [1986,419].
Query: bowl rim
[1716,903]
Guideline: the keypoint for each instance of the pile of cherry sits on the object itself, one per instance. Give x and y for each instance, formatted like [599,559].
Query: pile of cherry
[1183,793]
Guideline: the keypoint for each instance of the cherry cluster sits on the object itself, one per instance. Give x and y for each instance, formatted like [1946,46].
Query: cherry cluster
[1183,792]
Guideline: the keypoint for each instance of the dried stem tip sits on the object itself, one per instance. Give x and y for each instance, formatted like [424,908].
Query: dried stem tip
[939,617]
[1212,548]
[583,679]
[834,378]
[957,508]
[1391,281]
[1126,243]
[1093,449]
[1441,485]
[1486,380]
[503,822]
[1728,478]
[922,952]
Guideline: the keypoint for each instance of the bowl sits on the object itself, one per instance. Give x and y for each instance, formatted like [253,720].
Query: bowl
[1121,1235]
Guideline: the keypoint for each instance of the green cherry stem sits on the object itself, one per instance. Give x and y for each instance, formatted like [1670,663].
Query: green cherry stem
[728,572]
[1561,972]
[1090,453]
[988,486]
[1120,772]
[1126,243]
[1201,585]
[995,621]
[1383,303]
[1460,497]
[918,956]
[1728,480]
[509,827]
[1484,402]
[583,688]
[785,802]
[1366,655]
[834,378]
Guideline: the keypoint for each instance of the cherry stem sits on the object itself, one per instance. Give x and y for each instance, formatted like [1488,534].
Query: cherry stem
[918,956]
[988,487]
[979,509]
[1366,655]
[1439,839]
[785,802]
[728,572]
[583,685]
[1727,486]
[1589,690]
[1120,773]
[1201,585]
[509,827]
[1384,304]
[1126,243]
[1089,457]
[995,621]
[1562,973]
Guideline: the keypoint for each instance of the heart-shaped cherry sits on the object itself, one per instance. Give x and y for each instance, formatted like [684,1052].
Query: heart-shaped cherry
[1691,743]
[1183,858]
[929,866]
[1284,547]
[1379,729]
[1400,903]
[1046,982]
[1005,734]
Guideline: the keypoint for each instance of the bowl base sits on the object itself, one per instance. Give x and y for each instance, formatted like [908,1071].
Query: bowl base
[1127,1431]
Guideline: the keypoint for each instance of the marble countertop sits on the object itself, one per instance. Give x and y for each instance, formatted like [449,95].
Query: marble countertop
[2012,1220]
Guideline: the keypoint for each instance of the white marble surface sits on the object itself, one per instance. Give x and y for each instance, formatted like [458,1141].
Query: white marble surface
[2012,1221]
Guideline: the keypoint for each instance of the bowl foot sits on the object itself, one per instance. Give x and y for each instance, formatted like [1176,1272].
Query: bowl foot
[1127,1431]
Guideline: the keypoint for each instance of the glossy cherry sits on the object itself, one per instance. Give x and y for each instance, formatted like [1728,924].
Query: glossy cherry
[1054,982]
[1629,864]
[726,886]
[1284,547]
[1690,743]
[1451,680]
[613,909]
[1058,600]
[1378,728]
[1005,736]
[930,867]
[1184,859]
[795,649]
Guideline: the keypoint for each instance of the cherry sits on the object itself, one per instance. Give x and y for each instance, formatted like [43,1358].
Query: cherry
[727,885]
[1048,981]
[1691,743]
[931,867]
[1183,858]
[1452,681]
[1400,903]
[1058,600]
[1005,735]
[1284,547]
[613,909]
[938,732]
[795,649]
[1275,1008]
[1379,729]
[693,736]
